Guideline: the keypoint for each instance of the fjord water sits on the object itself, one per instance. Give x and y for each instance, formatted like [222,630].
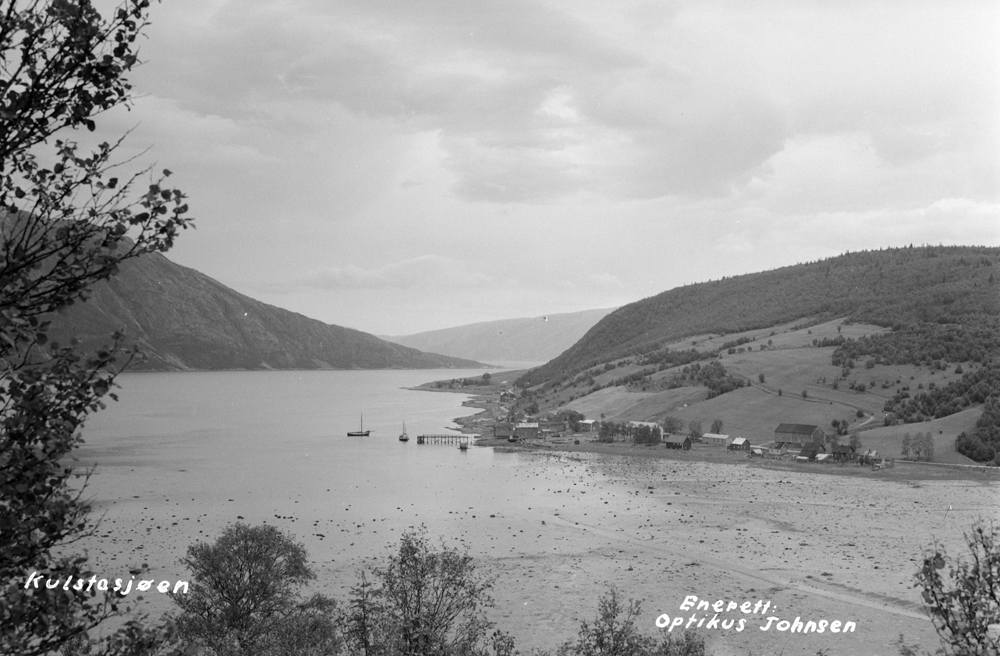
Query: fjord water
[181,455]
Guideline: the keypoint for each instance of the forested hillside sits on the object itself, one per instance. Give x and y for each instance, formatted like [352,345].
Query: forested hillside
[182,319]
[917,290]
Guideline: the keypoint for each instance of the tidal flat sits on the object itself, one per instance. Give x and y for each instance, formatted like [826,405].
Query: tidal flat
[555,528]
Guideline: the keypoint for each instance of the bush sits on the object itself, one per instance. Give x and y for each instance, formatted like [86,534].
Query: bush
[423,602]
[965,607]
[244,597]
[613,633]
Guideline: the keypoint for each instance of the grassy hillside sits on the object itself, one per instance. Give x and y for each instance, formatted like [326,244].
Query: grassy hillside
[916,350]
[896,287]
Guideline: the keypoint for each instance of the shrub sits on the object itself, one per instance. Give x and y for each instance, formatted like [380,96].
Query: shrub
[965,607]
[244,597]
[613,633]
[423,602]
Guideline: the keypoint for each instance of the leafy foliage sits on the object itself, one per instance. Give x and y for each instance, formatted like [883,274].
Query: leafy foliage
[614,633]
[966,605]
[979,386]
[244,596]
[423,602]
[66,222]
[983,443]
[924,343]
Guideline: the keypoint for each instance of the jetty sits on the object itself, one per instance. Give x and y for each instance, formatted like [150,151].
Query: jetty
[444,439]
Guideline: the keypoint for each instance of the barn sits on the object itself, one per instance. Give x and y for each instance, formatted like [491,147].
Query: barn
[526,430]
[796,436]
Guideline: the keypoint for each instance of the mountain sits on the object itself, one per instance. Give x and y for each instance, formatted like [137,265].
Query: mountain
[535,339]
[895,287]
[182,319]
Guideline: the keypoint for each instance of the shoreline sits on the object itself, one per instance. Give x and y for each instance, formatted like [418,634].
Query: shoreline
[905,470]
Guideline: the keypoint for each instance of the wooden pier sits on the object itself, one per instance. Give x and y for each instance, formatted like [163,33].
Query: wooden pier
[444,439]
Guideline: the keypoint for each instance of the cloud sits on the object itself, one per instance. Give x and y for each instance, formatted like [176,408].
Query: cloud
[423,272]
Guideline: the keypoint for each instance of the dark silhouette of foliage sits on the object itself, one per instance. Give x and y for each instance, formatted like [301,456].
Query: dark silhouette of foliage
[424,602]
[614,633]
[925,343]
[979,386]
[68,219]
[244,597]
[647,435]
[966,604]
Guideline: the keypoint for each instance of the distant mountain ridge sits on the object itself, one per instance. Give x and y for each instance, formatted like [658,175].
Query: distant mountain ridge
[533,339]
[182,319]
[901,286]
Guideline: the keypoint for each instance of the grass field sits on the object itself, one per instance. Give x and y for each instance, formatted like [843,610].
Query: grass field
[792,365]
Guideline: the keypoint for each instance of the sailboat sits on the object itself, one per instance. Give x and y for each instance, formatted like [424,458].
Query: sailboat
[359,433]
[403,437]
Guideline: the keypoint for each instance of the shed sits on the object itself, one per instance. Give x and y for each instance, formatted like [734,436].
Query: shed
[586,425]
[739,444]
[678,442]
[798,435]
[503,429]
[715,439]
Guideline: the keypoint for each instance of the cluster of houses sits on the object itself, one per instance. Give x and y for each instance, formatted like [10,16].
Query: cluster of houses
[805,442]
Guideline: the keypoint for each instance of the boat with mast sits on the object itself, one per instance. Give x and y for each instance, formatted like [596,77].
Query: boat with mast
[403,437]
[361,432]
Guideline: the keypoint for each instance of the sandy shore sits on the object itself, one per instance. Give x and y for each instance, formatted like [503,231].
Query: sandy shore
[815,547]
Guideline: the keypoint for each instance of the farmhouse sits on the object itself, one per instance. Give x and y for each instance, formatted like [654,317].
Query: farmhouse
[586,425]
[715,439]
[796,436]
[843,452]
[739,444]
[678,442]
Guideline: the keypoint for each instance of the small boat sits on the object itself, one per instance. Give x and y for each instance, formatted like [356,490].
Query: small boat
[403,437]
[359,433]
[464,445]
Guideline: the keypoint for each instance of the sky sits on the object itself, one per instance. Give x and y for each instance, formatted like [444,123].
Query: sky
[401,166]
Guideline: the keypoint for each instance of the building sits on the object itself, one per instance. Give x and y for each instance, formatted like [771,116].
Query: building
[811,450]
[678,442]
[527,430]
[586,425]
[739,444]
[796,436]
[715,439]
[843,452]
[503,429]
[553,426]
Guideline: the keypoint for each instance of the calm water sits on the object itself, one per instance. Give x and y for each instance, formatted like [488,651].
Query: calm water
[181,455]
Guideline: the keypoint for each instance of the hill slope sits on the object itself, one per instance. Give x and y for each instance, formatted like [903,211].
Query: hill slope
[536,339]
[907,286]
[182,319]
